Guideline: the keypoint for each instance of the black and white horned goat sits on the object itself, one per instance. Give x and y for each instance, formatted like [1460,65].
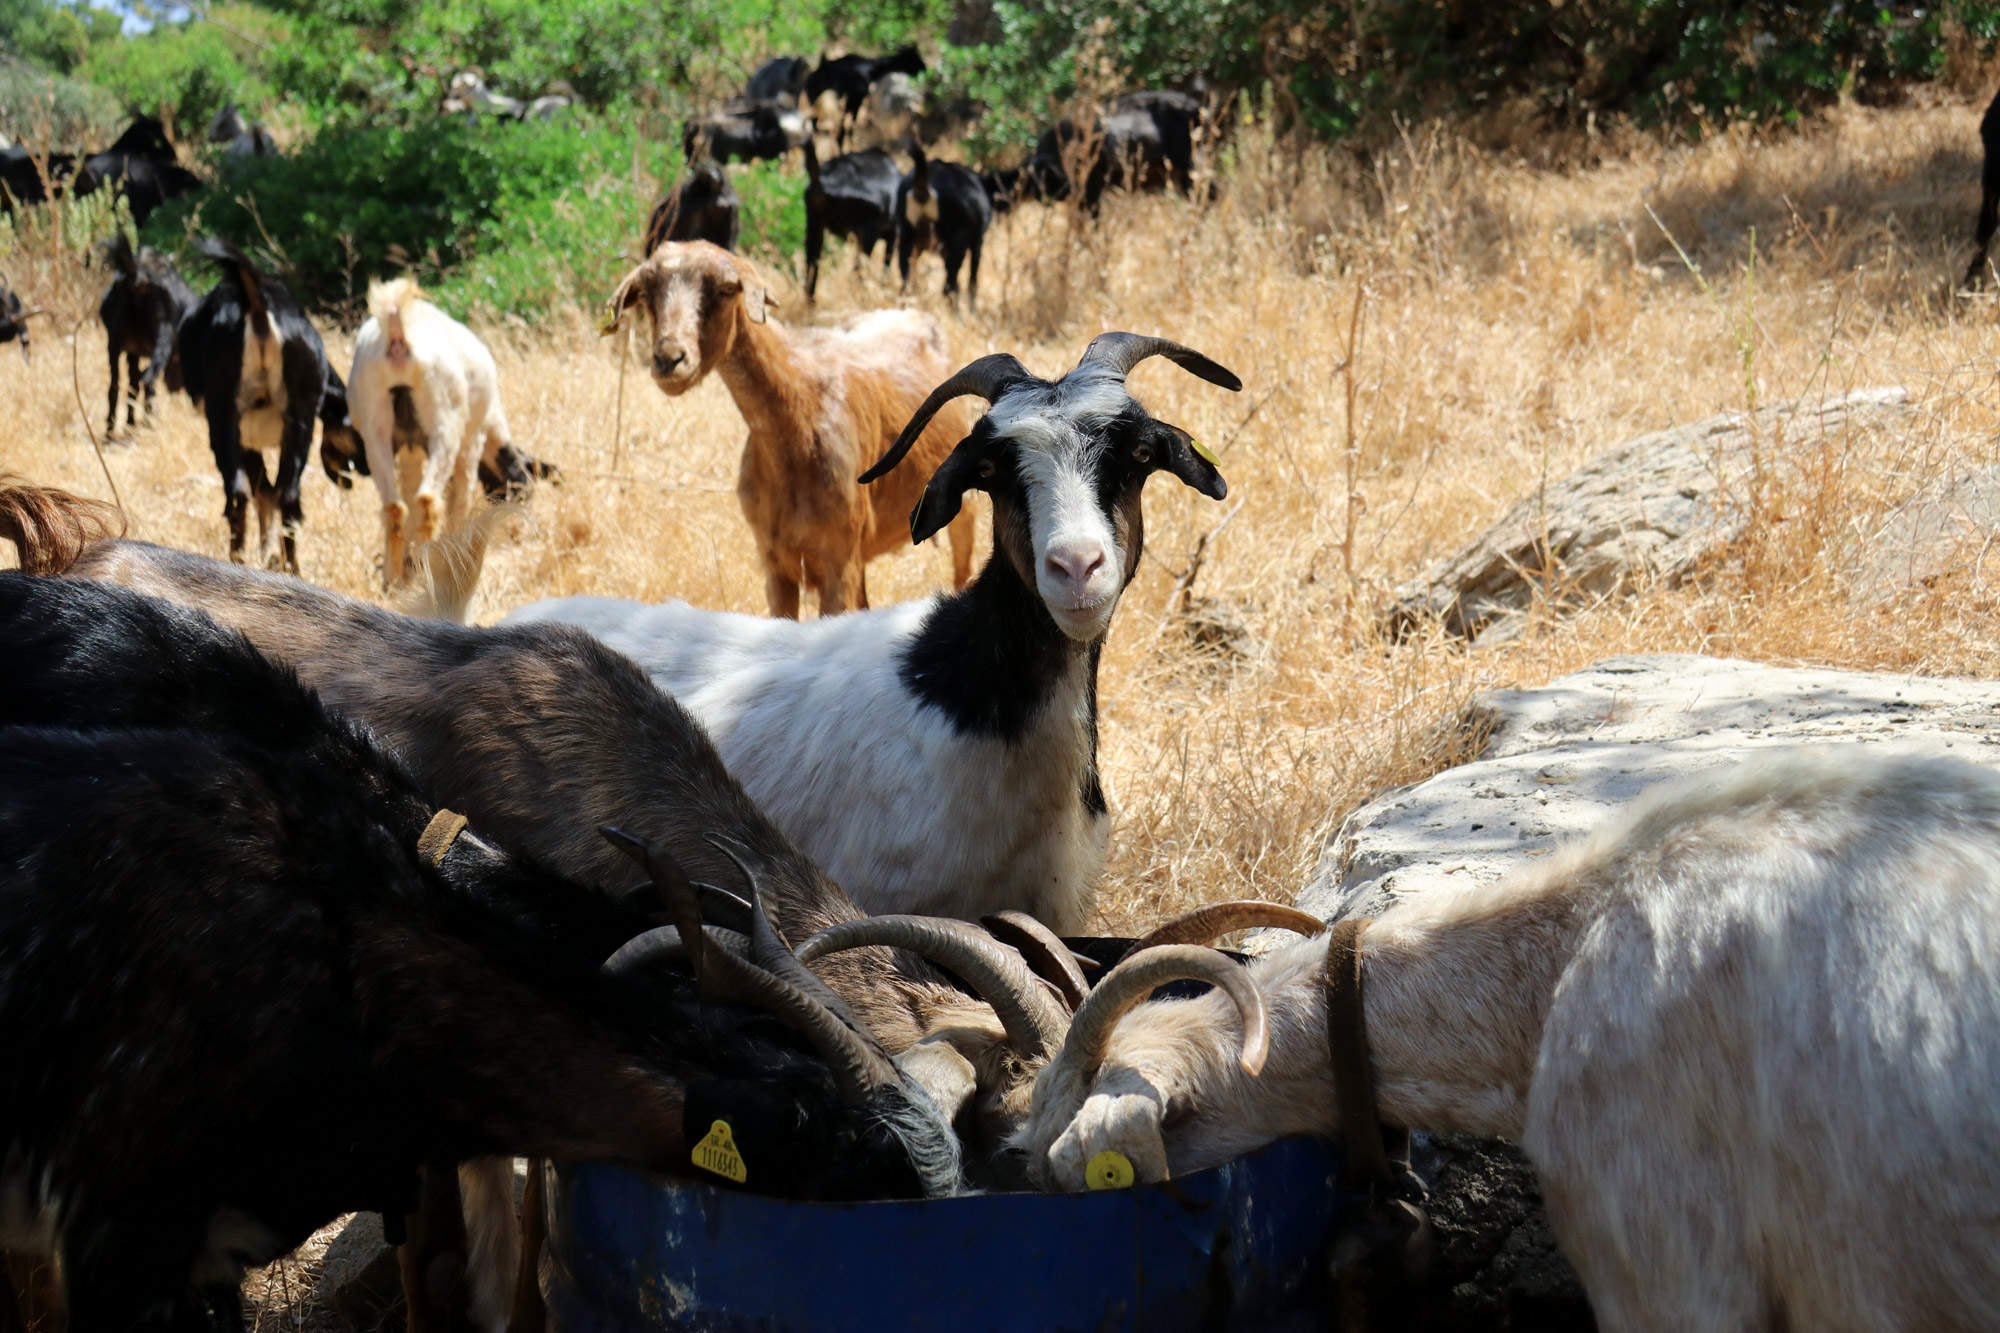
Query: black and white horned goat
[940,756]
[244,990]
[254,364]
[142,310]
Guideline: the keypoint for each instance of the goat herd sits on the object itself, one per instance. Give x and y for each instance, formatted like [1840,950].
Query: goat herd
[308,906]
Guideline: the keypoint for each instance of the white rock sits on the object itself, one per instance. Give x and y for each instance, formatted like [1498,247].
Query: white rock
[1564,756]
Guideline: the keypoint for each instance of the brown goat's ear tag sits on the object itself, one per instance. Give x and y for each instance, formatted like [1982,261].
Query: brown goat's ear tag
[609,324]
[717,1153]
[1109,1170]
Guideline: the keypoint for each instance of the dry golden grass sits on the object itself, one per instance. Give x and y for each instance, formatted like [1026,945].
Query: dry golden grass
[1514,319]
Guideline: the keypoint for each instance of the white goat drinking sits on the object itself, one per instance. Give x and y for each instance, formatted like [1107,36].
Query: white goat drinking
[421,381]
[1749,1035]
[940,757]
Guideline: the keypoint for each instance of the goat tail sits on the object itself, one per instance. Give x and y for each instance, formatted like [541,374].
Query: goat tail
[247,276]
[389,302]
[50,528]
[448,569]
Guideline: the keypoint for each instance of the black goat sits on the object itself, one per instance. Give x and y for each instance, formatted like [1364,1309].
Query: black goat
[850,77]
[1989,193]
[702,206]
[942,206]
[29,178]
[142,310]
[141,165]
[14,319]
[853,196]
[241,993]
[745,131]
[781,78]
[255,365]
[1145,141]
[240,137]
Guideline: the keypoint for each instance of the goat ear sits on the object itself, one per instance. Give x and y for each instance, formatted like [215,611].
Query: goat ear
[624,298]
[756,300]
[942,497]
[1187,459]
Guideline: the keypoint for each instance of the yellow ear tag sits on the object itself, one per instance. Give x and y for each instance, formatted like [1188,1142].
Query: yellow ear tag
[609,324]
[1109,1170]
[1202,449]
[717,1153]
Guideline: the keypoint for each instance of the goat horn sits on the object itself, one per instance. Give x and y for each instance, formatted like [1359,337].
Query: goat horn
[768,948]
[722,908]
[1135,979]
[1046,955]
[1034,1021]
[1119,352]
[663,944]
[675,889]
[1207,924]
[859,1066]
[989,377]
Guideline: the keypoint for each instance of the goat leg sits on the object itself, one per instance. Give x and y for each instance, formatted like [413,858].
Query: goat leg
[133,383]
[111,408]
[530,1315]
[433,1258]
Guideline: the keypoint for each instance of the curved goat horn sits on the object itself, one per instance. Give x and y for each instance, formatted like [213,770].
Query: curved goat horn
[1207,924]
[768,949]
[1133,980]
[1035,1023]
[1120,352]
[859,1066]
[676,892]
[1046,955]
[663,944]
[988,377]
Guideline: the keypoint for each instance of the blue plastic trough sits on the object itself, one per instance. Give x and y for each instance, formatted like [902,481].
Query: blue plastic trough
[1242,1246]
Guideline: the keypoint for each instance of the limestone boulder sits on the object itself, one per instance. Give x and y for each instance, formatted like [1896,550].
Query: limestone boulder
[1655,508]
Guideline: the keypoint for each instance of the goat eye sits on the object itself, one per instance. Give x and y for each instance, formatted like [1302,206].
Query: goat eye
[1142,453]
[986,469]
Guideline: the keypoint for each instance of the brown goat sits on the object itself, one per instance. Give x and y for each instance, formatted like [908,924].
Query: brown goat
[821,406]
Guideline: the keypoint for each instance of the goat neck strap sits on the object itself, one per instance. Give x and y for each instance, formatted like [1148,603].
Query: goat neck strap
[1347,1049]
[438,835]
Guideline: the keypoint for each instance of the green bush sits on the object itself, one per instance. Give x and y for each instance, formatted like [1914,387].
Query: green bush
[41,108]
[1338,68]
[183,71]
[500,218]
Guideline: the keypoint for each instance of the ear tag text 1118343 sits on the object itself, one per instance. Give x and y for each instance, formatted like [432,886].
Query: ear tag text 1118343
[717,1152]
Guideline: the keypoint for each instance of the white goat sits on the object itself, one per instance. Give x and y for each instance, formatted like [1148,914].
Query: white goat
[940,757]
[421,381]
[1749,1035]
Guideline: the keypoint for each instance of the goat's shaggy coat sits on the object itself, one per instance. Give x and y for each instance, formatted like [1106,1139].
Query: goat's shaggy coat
[424,383]
[1749,1035]
[820,405]
[254,364]
[237,1001]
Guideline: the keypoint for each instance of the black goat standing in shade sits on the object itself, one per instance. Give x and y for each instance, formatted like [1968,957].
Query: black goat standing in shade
[141,165]
[244,989]
[29,178]
[854,196]
[1989,193]
[702,205]
[254,364]
[142,310]
[781,78]
[942,206]
[850,77]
